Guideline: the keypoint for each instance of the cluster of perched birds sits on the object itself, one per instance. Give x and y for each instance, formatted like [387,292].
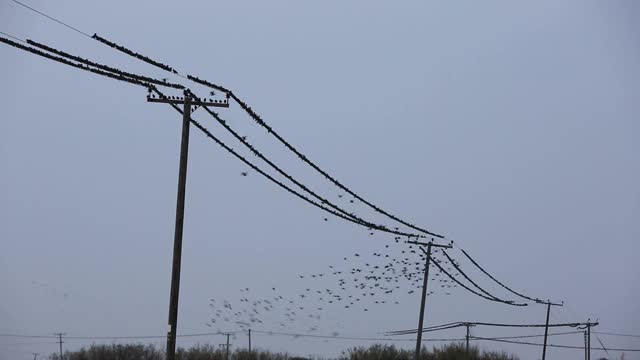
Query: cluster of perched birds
[359,282]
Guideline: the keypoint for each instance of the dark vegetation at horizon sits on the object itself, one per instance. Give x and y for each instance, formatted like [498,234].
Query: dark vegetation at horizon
[452,351]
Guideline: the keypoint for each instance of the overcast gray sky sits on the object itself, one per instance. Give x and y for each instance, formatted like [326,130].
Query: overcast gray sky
[512,128]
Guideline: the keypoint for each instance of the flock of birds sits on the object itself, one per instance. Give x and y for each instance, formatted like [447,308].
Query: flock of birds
[358,282]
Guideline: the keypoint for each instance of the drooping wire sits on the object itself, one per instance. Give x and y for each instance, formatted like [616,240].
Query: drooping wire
[245,107]
[123,77]
[465,275]
[436,263]
[134,54]
[105,67]
[494,279]
[76,65]
[549,345]
[467,323]
[13,37]
[615,334]
[341,337]
[254,167]
[51,18]
[323,200]
[302,157]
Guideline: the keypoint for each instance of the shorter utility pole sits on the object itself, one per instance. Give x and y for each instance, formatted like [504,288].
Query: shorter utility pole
[467,325]
[249,342]
[35,356]
[227,357]
[546,327]
[424,288]
[60,342]
[589,325]
[585,346]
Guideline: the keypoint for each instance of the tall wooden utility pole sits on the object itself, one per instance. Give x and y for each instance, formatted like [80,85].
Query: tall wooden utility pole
[546,327]
[424,288]
[187,101]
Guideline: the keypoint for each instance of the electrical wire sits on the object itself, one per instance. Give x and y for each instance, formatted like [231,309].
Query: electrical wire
[614,334]
[254,167]
[355,219]
[13,37]
[66,62]
[343,337]
[51,18]
[134,54]
[465,275]
[413,331]
[333,180]
[104,67]
[549,345]
[496,280]
[435,262]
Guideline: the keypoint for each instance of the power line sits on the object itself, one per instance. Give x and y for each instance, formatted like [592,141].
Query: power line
[134,54]
[573,325]
[465,275]
[105,67]
[117,336]
[51,18]
[615,334]
[262,123]
[343,337]
[494,279]
[550,345]
[72,64]
[13,37]
[475,292]
[355,218]
[29,336]
[125,75]
[535,336]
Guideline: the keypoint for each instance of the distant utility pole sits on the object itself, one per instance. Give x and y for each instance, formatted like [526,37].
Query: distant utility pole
[589,324]
[546,327]
[60,342]
[586,356]
[187,101]
[227,357]
[424,288]
[467,325]
[35,356]
[249,342]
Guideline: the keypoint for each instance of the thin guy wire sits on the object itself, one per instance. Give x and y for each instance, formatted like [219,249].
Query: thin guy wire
[51,18]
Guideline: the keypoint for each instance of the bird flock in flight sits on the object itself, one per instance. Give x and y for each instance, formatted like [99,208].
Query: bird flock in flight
[363,281]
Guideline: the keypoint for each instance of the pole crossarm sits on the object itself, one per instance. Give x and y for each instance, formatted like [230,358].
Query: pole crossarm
[429,244]
[194,101]
[549,303]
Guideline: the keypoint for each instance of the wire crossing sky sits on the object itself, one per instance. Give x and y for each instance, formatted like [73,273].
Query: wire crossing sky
[526,223]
